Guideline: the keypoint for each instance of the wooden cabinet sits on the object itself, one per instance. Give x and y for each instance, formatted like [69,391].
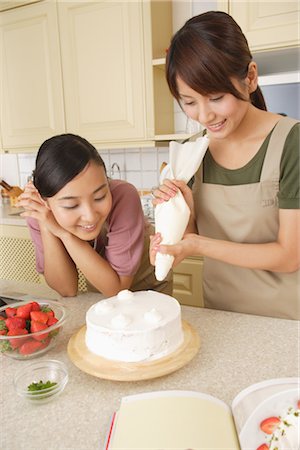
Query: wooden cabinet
[17,260]
[9,4]
[268,25]
[31,80]
[187,283]
[85,68]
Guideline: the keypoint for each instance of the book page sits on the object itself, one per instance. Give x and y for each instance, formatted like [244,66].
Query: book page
[169,420]
[268,413]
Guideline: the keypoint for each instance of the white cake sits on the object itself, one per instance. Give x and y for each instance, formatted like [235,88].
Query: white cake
[134,326]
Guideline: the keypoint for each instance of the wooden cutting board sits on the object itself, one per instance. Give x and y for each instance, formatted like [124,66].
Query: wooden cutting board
[122,371]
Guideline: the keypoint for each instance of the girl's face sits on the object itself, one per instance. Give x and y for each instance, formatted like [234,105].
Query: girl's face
[82,205]
[220,113]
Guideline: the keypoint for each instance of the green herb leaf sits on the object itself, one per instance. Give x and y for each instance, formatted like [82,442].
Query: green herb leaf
[5,346]
[3,325]
[41,385]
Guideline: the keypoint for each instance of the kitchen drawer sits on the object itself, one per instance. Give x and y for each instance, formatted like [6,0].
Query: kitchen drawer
[187,282]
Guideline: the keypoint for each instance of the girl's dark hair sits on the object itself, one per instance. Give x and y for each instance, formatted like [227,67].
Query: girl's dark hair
[206,52]
[59,160]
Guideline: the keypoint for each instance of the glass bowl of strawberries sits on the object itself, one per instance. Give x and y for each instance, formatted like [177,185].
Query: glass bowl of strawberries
[29,329]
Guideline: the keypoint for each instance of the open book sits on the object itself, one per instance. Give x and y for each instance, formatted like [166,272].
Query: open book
[265,416]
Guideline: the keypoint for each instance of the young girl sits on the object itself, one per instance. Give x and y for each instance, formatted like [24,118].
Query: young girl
[244,203]
[79,218]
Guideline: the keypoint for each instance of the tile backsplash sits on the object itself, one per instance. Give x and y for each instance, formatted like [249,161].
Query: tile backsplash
[139,166]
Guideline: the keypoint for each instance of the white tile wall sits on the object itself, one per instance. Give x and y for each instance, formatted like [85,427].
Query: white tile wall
[26,167]
[139,166]
[9,169]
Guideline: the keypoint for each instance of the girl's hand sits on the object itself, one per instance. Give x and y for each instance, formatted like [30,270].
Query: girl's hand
[30,192]
[38,209]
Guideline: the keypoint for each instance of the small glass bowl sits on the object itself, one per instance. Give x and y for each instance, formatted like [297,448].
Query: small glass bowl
[47,370]
[37,343]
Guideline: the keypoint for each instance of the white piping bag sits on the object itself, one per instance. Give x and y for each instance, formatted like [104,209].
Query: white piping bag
[171,217]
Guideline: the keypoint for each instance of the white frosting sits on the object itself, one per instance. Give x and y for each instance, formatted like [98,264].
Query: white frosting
[153,316]
[137,326]
[125,295]
[103,307]
[120,321]
[287,434]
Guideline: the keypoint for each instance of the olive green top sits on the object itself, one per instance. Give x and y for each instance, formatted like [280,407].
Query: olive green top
[289,183]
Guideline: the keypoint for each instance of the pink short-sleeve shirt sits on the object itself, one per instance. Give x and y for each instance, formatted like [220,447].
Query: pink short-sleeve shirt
[123,247]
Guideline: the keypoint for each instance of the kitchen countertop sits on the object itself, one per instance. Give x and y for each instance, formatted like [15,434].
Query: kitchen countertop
[236,351]
[10,216]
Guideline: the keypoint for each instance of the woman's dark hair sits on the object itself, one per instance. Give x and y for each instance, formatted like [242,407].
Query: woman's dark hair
[59,160]
[206,53]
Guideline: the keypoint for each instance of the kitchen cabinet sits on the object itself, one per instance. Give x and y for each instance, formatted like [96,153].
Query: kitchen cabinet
[17,260]
[9,4]
[31,80]
[90,68]
[187,282]
[107,51]
[268,25]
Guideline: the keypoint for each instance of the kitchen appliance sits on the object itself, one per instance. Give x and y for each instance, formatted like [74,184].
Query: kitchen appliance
[282,93]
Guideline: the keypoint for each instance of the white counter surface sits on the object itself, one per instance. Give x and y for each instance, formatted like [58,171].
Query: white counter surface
[11,216]
[236,350]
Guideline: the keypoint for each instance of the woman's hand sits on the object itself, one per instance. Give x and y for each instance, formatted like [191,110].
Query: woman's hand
[38,209]
[188,246]
[170,189]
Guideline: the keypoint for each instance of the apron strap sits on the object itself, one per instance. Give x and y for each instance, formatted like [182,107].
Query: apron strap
[271,166]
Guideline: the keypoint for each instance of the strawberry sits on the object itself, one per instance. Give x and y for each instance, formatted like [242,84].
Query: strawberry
[39,316]
[30,347]
[10,312]
[2,318]
[24,311]
[15,343]
[3,332]
[269,425]
[38,326]
[52,321]
[50,313]
[15,322]
[35,306]
[263,447]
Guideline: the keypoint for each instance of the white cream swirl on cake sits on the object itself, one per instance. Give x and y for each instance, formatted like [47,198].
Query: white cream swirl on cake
[134,326]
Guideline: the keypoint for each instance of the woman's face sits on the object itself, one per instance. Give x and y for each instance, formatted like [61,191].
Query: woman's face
[220,113]
[82,205]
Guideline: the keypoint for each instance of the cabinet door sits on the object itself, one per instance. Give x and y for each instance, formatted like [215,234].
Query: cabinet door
[31,83]
[187,282]
[17,260]
[103,69]
[9,4]
[268,24]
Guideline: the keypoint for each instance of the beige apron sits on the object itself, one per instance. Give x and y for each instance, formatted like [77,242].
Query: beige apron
[249,214]
[145,279]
